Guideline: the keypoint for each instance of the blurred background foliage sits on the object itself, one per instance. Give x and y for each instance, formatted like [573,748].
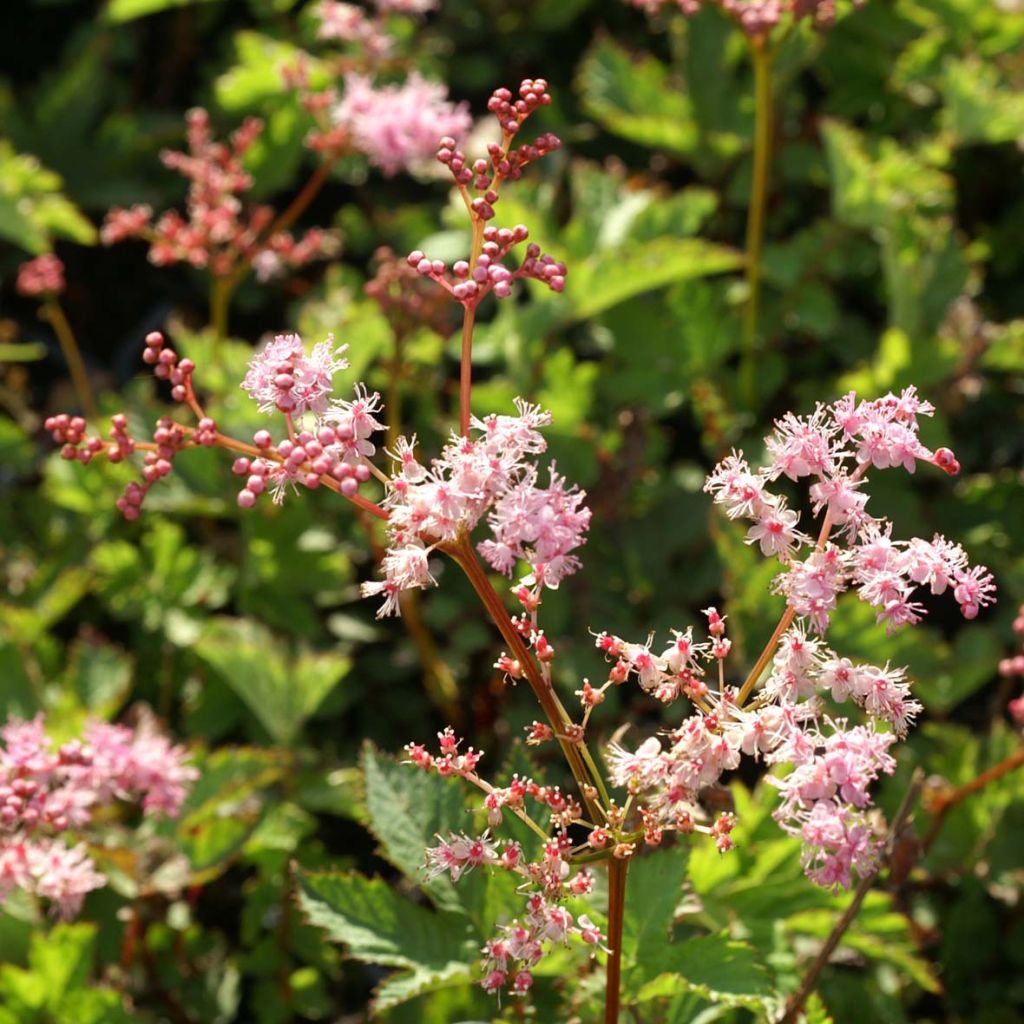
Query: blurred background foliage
[893,256]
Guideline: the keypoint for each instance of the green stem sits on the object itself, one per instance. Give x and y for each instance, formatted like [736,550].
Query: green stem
[617,869]
[52,311]
[220,302]
[468,321]
[762,57]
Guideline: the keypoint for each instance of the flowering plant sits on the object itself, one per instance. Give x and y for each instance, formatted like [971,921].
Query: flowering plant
[708,840]
[488,477]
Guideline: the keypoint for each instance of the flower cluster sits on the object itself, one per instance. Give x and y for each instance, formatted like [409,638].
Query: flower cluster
[755,17]
[824,797]
[520,945]
[836,446]
[218,230]
[47,794]
[168,440]
[397,126]
[406,298]
[489,474]
[825,794]
[43,276]
[349,23]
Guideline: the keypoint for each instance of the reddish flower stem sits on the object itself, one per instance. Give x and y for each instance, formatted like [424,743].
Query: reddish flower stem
[617,869]
[784,623]
[462,552]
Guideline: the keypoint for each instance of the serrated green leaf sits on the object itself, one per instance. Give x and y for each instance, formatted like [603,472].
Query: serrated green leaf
[378,926]
[654,888]
[634,97]
[400,988]
[612,276]
[32,208]
[717,968]
[407,809]
[978,106]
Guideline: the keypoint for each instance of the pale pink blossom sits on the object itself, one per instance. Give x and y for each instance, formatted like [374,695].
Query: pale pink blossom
[283,377]
[398,126]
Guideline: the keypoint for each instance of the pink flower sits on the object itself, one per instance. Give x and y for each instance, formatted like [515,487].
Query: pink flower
[284,378]
[775,531]
[801,447]
[541,525]
[397,126]
[460,854]
[49,870]
[45,794]
[974,590]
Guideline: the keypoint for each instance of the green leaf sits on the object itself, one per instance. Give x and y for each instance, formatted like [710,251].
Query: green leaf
[407,809]
[378,926]
[254,85]
[282,691]
[225,806]
[635,98]
[100,677]
[978,106]
[815,1011]
[717,968]
[871,182]
[128,10]
[32,208]
[611,276]
[654,888]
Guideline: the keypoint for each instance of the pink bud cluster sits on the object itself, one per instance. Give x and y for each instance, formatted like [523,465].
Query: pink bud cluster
[407,299]
[490,473]
[755,17]
[469,286]
[470,280]
[836,446]
[169,438]
[48,796]
[218,231]
[519,946]
[43,276]
[503,162]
